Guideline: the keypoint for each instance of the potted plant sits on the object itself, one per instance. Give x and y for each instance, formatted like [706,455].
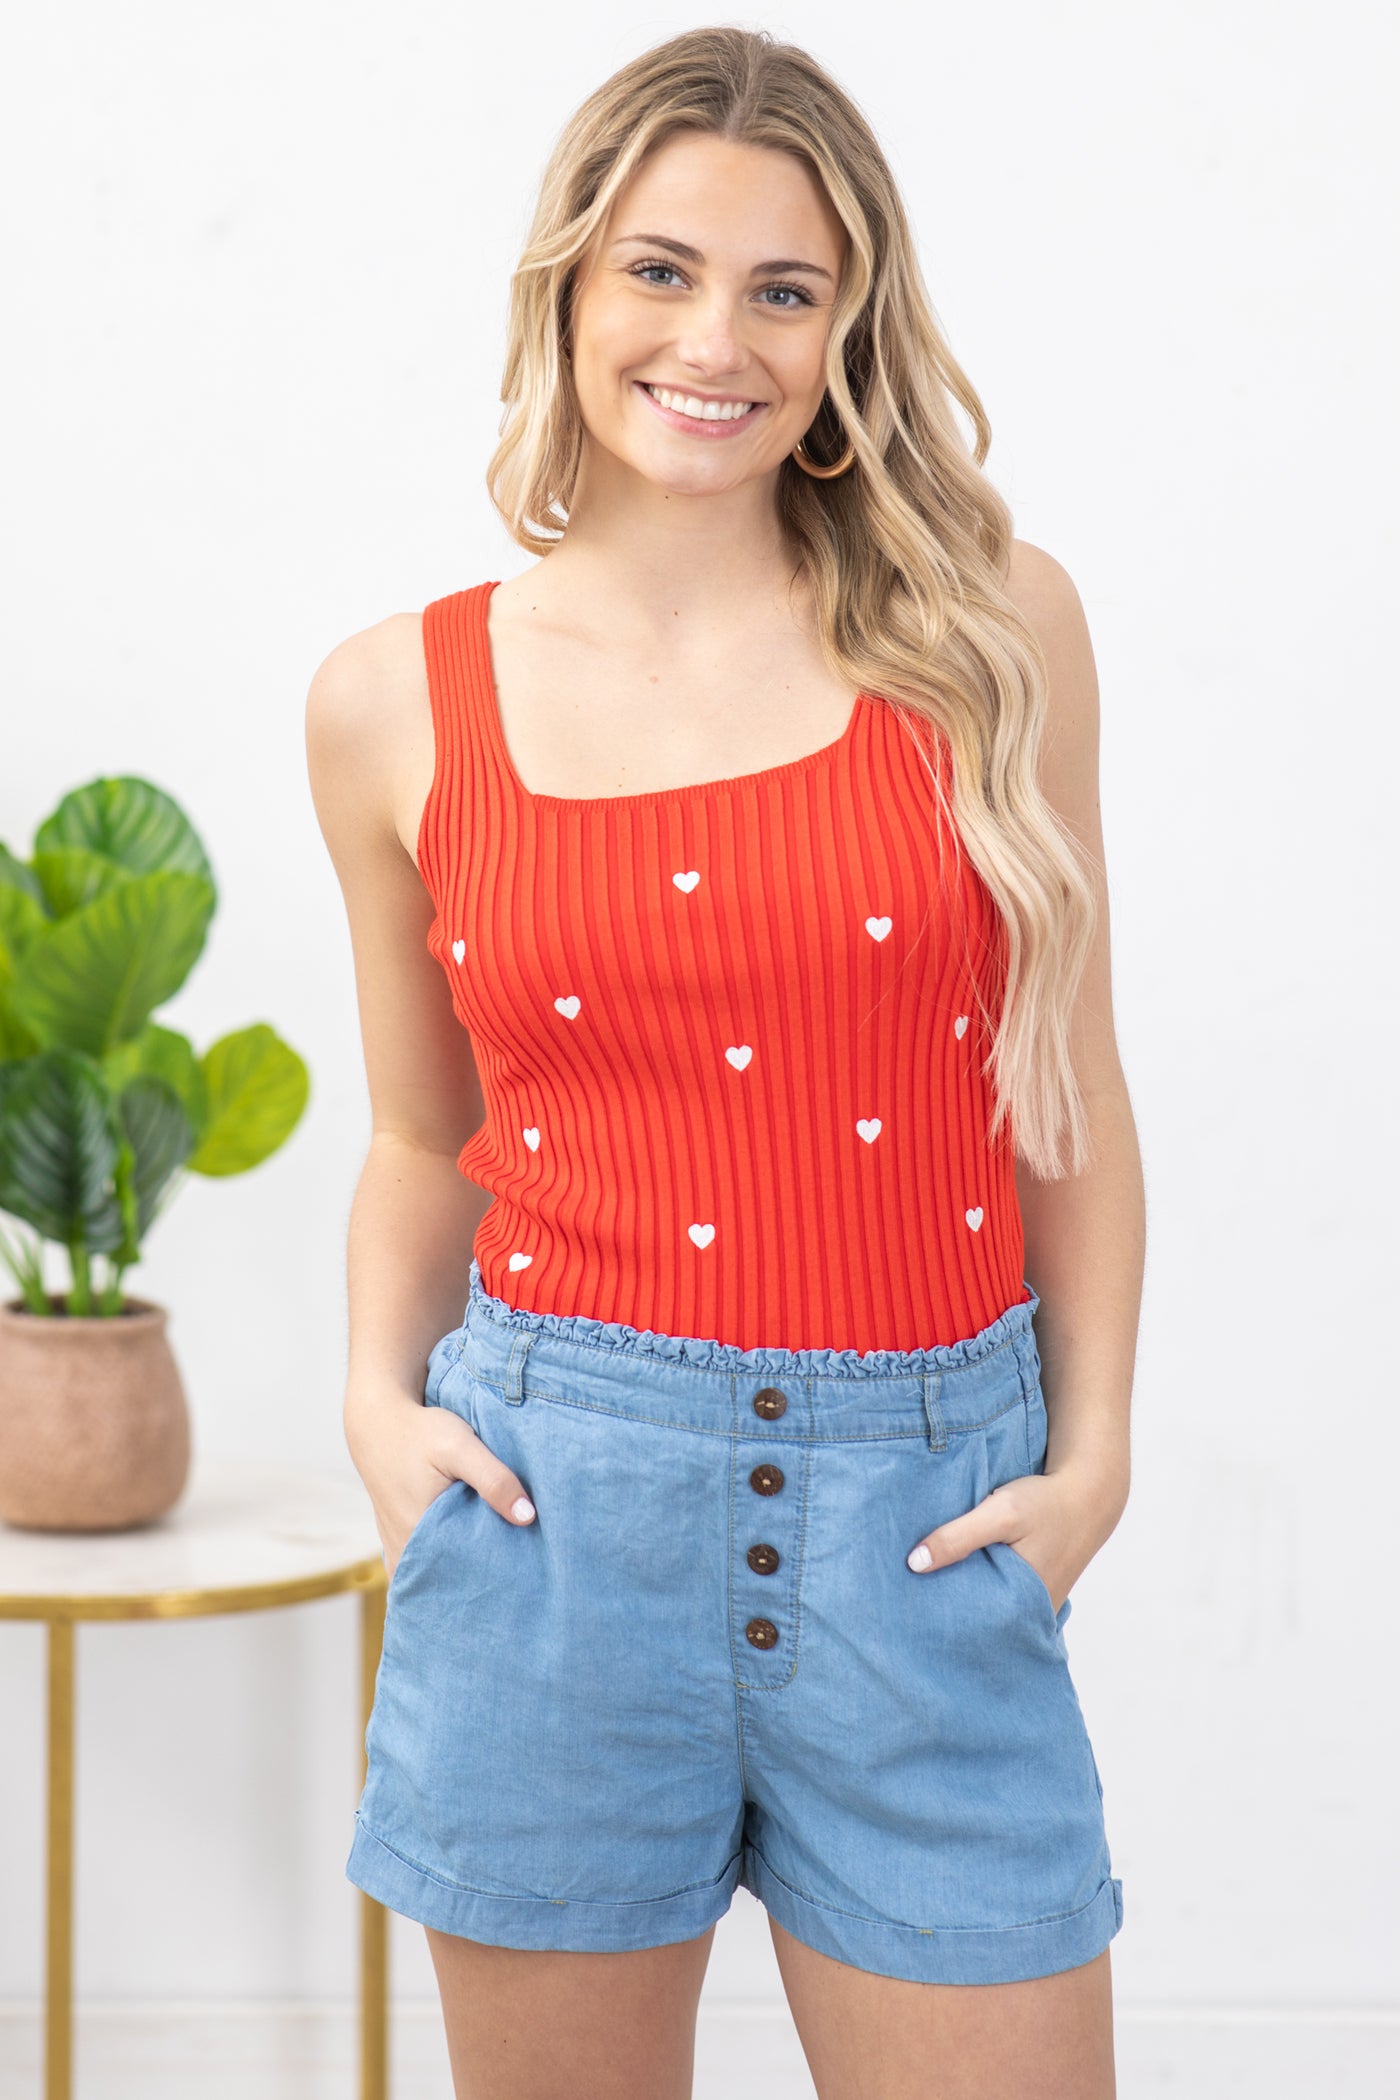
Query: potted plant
[102,1112]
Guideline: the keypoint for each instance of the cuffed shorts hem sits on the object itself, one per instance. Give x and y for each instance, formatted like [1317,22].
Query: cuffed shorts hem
[563,1924]
[956,1954]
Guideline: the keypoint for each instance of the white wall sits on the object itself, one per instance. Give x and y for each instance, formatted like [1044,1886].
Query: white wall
[256,267]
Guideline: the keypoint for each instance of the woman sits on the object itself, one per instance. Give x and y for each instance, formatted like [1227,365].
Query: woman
[754,828]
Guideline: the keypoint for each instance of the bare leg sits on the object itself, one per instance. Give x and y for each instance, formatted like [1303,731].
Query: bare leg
[879,2038]
[533,2025]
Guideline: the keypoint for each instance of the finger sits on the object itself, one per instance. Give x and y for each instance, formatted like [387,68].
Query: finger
[955,1540]
[493,1479]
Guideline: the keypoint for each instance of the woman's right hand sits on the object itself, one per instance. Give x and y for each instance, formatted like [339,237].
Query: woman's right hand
[407,1454]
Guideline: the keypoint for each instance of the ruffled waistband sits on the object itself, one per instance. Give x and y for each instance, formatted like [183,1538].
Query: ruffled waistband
[765,1361]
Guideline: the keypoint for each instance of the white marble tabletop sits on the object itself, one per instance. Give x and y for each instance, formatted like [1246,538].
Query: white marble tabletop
[237,1525]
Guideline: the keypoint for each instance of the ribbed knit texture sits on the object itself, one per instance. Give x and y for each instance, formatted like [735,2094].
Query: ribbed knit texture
[727,1038]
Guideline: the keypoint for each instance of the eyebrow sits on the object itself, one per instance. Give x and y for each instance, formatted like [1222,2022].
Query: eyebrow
[693,255]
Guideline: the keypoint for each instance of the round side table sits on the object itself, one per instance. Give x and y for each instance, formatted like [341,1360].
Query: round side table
[242,1538]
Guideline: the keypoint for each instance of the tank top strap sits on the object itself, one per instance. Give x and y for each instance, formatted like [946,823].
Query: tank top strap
[457,656]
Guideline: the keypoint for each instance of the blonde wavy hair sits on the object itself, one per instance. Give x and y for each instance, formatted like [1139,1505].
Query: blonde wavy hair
[905,554]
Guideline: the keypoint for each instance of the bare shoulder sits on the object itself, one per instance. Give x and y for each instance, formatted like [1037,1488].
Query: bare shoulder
[369,750]
[1044,593]
[369,732]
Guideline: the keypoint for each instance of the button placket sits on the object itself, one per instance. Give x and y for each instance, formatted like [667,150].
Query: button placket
[767,1505]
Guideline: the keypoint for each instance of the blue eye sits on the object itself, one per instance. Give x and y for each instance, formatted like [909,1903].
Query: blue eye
[643,269]
[638,269]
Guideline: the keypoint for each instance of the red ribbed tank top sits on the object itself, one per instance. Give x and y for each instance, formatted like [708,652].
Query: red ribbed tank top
[726,1034]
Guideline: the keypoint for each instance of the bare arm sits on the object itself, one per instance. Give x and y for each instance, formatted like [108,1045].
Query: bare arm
[414,1214]
[1085,1235]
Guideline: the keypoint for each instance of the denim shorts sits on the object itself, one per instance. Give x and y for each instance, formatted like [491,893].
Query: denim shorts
[706,1662]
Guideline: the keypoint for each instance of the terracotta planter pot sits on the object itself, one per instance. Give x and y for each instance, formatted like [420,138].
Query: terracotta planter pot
[94,1423]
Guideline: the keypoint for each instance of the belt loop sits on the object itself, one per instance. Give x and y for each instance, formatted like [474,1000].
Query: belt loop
[937,1434]
[521,1342]
[1028,1362]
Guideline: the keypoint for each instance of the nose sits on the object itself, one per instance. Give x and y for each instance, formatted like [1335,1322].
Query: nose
[711,343]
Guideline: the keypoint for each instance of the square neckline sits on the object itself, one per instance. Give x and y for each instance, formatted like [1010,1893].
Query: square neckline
[491,708]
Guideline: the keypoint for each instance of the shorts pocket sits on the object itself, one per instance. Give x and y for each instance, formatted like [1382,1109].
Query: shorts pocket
[1033,1577]
[1014,1444]
[1037,1429]
[413,1545]
[442,1359]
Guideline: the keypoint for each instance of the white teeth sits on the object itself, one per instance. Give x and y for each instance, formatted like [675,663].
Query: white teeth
[702,411]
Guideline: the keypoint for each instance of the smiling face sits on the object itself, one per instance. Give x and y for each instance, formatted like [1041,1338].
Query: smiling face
[700,317]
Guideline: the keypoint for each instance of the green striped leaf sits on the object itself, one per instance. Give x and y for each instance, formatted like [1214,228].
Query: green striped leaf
[17,874]
[161,1137]
[129,822]
[58,1149]
[160,1053]
[88,981]
[15,1039]
[256,1088]
[22,913]
[71,876]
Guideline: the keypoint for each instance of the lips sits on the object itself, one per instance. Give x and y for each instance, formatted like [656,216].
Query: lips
[710,427]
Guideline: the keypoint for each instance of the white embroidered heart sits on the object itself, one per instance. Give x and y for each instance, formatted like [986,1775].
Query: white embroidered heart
[701,1234]
[974,1217]
[878,928]
[687,882]
[532,1138]
[960,1027]
[519,1261]
[568,1007]
[869,1129]
[459,949]
[739,1055]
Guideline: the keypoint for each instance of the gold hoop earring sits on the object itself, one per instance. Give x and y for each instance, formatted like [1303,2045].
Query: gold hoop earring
[809,466]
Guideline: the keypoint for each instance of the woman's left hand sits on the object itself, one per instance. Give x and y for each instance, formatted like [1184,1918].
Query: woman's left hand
[1056,1521]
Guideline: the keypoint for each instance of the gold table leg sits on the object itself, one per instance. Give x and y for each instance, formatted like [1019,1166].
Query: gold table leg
[58,1976]
[374,1919]
[58,1980]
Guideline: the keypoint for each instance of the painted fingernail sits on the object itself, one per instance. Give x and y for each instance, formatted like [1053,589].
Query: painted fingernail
[920,1559]
[522,1509]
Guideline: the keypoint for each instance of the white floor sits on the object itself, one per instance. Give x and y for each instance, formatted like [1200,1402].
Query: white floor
[152,2052]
